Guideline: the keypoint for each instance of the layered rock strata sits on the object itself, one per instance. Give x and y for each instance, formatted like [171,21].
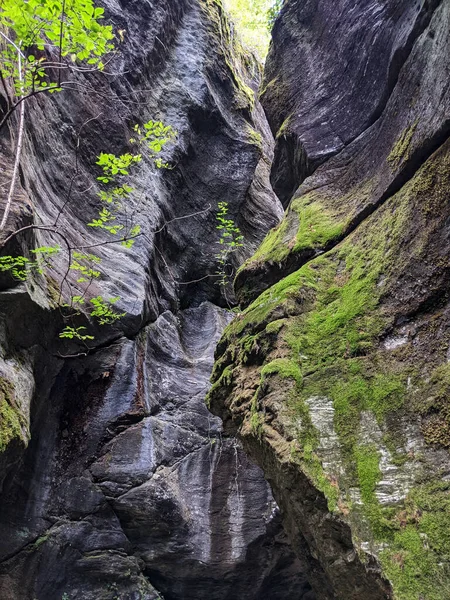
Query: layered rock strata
[336,376]
[116,482]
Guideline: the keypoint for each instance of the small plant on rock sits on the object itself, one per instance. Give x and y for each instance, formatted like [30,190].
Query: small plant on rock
[230,240]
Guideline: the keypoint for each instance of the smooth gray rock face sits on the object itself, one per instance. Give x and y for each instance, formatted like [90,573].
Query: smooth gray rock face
[128,475]
[128,488]
[348,56]
[371,168]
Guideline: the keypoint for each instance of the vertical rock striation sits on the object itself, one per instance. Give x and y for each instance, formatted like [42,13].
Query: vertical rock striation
[116,482]
[336,376]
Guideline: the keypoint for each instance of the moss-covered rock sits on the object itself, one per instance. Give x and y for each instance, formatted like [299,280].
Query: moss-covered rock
[349,186]
[10,421]
[16,389]
[351,389]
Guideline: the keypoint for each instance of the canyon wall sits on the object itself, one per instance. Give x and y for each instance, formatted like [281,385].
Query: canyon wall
[116,481]
[336,376]
[323,471]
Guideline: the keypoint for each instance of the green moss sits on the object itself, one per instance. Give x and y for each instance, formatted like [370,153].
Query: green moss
[349,395]
[284,126]
[367,464]
[315,229]
[316,226]
[259,313]
[224,380]
[434,406]
[387,394]
[285,368]
[418,559]
[256,423]
[354,390]
[236,59]
[10,417]
[53,291]
[313,468]
[338,324]
[273,248]
[255,138]
[400,151]
[337,328]
[310,464]
[334,312]
[275,326]
[41,540]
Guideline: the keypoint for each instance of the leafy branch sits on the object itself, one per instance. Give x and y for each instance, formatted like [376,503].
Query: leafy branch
[86,265]
[230,240]
[33,31]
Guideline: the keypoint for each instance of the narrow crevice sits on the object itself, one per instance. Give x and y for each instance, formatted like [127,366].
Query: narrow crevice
[29,544]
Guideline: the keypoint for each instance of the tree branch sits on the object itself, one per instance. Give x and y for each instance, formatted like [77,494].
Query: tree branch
[18,147]
[61,32]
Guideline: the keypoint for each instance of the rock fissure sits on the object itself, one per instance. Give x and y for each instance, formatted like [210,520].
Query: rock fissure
[116,480]
[329,376]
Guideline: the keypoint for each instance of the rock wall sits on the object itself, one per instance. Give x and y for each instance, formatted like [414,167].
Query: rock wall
[336,376]
[116,482]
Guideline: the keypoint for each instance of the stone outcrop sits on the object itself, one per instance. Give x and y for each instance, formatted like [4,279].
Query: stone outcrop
[116,482]
[330,389]
[336,376]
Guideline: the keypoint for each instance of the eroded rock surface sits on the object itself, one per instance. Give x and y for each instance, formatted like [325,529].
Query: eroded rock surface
[336,376]
[347,63]
[387,150]
[128,487]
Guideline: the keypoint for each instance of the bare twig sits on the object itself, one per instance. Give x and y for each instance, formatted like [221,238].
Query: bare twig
[18,147]
[21,100]
[19,51]
[75,175]
[200,212]
[61,33]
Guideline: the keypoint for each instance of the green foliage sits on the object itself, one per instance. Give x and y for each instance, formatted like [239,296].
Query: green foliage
[254,19]
[72,27]
[32,31]
[103,310]
[113,165]
[230,240]
[154,136]
[21,267]
[98,308]
[72,333]
[273,12]
[84,264]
